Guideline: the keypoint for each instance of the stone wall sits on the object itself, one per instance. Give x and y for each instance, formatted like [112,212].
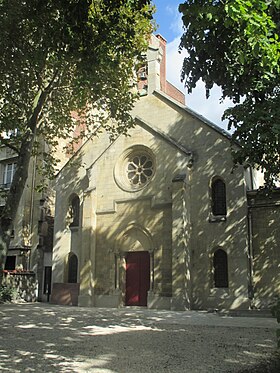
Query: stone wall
[264,216]
[65,294]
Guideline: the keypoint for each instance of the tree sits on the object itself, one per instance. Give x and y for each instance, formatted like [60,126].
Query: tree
[235,44]
[59,57]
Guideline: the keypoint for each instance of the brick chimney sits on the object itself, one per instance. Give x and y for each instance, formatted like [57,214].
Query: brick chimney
[152,76]
[162,43]
[157,70]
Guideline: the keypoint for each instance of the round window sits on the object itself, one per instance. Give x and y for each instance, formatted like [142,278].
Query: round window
[135,168]
[139,169]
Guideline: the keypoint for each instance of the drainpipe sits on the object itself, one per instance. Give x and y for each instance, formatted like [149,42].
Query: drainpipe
[31,217]
[250,242]
[250,256]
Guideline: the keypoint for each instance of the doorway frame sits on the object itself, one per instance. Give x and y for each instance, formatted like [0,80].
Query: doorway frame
[122,248]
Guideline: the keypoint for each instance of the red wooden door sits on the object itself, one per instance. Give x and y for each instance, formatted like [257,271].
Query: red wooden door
[137,278]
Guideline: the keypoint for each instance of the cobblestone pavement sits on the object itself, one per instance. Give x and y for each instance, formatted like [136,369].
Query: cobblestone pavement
[47,338]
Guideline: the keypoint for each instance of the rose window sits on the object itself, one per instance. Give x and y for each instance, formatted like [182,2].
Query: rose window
[135,168]
[139,170]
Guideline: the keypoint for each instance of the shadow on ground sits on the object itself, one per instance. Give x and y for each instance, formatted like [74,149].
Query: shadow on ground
[46,338]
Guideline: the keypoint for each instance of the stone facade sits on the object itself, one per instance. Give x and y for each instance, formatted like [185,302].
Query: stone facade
[24,227]
[168,214]
[157,218]
[264,217]
[30,250]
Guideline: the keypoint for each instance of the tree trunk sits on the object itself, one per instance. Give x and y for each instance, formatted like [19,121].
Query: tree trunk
[21,174]
[13,198]
[5,236]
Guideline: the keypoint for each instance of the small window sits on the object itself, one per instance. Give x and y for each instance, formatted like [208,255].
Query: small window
[10,262]
[219,206]
[10,134]
[72,268]
[9,171]
[75,211]
[220,266]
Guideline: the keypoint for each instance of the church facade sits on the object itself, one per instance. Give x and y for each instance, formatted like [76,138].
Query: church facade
[158,218]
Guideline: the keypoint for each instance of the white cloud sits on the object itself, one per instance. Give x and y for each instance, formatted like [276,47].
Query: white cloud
[210,108]
[174,63]
[176,24]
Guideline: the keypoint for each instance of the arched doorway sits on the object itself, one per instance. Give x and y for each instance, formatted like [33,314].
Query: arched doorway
[137,278]
[134,276]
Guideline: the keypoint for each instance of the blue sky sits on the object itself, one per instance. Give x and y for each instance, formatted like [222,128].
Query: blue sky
[168,18]
[169,23]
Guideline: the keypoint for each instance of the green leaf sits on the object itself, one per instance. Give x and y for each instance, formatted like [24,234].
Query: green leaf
[236,46]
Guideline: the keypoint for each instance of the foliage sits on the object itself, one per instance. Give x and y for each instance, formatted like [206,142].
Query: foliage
[235,44]
[63,57]
[79,53]
[7,293]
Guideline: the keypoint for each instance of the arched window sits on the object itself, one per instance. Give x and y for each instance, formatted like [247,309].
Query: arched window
[220,265]
[219,206]
[72,268]
[75,211]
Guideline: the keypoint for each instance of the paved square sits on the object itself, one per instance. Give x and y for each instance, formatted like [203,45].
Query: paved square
[47,338]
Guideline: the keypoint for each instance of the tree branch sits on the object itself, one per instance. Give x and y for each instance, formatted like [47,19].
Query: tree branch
[8,144]
[38,104]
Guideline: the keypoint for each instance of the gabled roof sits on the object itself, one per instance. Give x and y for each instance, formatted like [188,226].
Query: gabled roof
[148,127]
[193,113]
[157,132]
